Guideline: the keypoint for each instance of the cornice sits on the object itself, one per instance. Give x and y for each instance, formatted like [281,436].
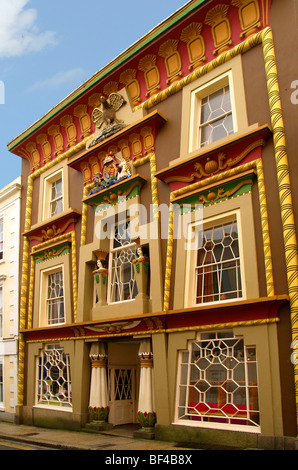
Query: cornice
[112,66]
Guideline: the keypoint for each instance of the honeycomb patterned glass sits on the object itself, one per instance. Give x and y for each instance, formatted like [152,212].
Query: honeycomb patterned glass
[218,274]
[55,298]
[218,381]
[122,277]
[54,383]
[216,117]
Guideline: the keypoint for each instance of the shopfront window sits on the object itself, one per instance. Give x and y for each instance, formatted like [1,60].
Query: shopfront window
[218,382]
[54,382]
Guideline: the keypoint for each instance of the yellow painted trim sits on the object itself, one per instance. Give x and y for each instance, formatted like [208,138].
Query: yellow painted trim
[216,326]
[284,186]
[221,326]
[265,38]
[265,230]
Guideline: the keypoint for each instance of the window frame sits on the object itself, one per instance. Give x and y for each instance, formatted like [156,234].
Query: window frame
[2,241]
[1,310]
[197,95]
[47,191]
[218,266]
[49,300]
[234,68]
[2,383]
[194,228]
[46,179]
[43,304]
[55,200]
[113,251]
[61,406]
[217,422]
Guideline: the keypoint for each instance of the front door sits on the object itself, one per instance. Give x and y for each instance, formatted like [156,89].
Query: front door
[122,392]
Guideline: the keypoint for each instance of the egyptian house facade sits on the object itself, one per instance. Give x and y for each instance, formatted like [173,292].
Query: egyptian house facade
[158,236]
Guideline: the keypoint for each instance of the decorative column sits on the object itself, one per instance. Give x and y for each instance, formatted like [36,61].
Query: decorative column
[100,278]
[146,406]
[141,264]
[98,401]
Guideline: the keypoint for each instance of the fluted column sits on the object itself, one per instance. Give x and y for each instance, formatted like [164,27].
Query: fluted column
[99,401]
[146,406]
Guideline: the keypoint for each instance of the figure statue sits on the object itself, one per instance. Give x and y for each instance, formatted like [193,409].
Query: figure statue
[107,116]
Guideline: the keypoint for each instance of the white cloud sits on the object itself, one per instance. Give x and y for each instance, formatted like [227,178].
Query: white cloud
[72,77]
[18,31]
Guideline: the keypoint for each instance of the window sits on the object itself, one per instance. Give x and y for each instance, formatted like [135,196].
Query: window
[54,196]
[218,381]
[218,275]
[54,382]
[1,312]
[216,119]
[1,383]
[1,239]
[55,298]
[56,201]
[212,113]
[122,285]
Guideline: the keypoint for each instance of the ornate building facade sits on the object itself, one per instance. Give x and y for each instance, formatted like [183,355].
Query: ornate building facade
[10,210]
[159,255]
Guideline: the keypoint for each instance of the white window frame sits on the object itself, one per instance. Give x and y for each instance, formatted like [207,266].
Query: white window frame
[1,310]
[44,315]
[255,428]
[112,253]
[194,230]
[55,200]
[2,383]
[202,92]
[48,181]
[2,241]
[47,401]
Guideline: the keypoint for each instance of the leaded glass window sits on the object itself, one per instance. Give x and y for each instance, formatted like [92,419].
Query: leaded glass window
[218,274]
[218,381]
[55,298]
[216,119]
[121,270]
[53,377]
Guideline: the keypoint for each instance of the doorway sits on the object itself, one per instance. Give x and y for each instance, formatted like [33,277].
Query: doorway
[123,382]
[123,397]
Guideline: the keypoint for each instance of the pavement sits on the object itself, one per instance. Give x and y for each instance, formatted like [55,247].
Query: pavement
[119,438]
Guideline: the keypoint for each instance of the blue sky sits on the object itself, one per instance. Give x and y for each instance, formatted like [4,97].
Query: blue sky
[49,48]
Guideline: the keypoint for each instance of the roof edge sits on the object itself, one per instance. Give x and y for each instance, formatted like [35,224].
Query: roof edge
[133,49]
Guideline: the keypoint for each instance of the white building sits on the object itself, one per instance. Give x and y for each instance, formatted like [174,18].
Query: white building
[10,204]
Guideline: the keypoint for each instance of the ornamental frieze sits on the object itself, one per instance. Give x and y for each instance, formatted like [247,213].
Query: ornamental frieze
[210,31]
[49,230]
[238,151]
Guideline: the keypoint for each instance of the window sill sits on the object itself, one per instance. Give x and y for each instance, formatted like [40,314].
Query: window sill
[230,427]
[218,144]
[68,409]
